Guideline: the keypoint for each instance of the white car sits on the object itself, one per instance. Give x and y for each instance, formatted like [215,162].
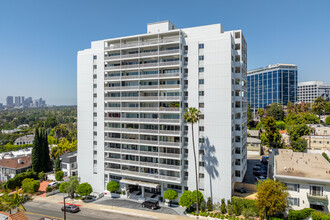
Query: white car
[52,184]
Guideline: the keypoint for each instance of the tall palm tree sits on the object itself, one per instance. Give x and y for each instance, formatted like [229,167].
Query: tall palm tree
[15,200]
[319,104]
[192,116]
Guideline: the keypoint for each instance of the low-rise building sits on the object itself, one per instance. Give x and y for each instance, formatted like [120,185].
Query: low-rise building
[306,175]
[319,129]
[318,142]
[69,164]
[27,139]
[10,167]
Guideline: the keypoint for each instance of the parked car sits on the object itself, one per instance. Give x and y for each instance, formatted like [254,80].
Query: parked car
[260,178]
[241,190]
[71,208]
[256,173]
[52,184]
[256,168]
[88,199]
[151,204]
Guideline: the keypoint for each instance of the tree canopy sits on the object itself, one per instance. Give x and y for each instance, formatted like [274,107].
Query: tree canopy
[276,111]
[170,194]
[186,199]
[84,189]
[272,137]
[113,186]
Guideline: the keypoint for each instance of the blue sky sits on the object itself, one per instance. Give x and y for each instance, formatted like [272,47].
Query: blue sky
[39,40]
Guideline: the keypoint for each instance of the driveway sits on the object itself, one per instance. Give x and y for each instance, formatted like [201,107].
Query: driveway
[133,205]
[251,162]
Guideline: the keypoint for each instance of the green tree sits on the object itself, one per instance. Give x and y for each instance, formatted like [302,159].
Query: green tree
[57,164]
[45,152]
[40,152]
[272,135]
[13,200]
[223,206]
[63,187]
[290,107]
[297,131]
[194,198]
[41,175]
[276,111]
[209,204]
[299,145]
[280,125]
[260,113]
[318,106]
[113,186]
[50,122]
[271,197]
[327,120]
[30,185]
[84,189]
[186,199]
[170,194]
[36,152]
[59,175]
[250,123]
[191,116]
[72,185]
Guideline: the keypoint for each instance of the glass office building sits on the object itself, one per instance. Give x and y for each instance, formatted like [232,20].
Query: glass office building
[275,83]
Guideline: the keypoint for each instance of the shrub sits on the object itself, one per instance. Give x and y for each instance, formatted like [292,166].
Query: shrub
[48,189]
[185,199]
[326,156]
[200,197]
[30,185]
[41,175]
[300,214]
[170,194]
[63,187]
[319,216]
[223,206]
[59,175]
[202,205]
[327,120]
[209,204]
[113,186]
[249,212]
[84,189]
[17,180]
[230,210]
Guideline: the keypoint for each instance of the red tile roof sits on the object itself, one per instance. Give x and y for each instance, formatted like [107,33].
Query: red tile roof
[13,163]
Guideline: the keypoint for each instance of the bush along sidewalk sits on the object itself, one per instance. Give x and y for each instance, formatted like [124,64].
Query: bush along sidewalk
[218,215]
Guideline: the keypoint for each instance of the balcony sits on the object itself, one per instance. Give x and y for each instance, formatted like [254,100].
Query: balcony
[149,108]
[131,162]
[129,151]
[143,43]
[170,86]
[149,131]
[169,120]
[176,156]
[167,75]
[130,172]
[112,139]
[170,109]
[111,129]
[149,175]
[171,63]
[148,153]
[169,132]
[167,143]
[148,142]
[317,196]
[177,98]
[167,166]
[115,150]
[172,178]
[111,98]
[112,170]
[142,163]
[116,160]
[130,140]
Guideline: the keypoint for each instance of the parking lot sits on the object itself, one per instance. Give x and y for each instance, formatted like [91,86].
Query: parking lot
[133,205]
[252,160]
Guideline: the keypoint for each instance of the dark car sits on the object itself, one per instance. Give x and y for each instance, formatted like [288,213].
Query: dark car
[88,199]
[71,208]
[151,204]
[241,190]
[256,173]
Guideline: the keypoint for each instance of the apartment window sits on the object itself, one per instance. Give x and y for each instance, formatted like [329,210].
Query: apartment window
[200,46]
[94,67]
[201,93]
[200,57]
[201,69]
[185,70]
[201,164]
[201,116]
[294,201]
[316,190]
[95,104]
[94,114]
[94,57]
[201,175]
[201,105]
[201,140]
[95,161]
[95,142]
[95,133]
[95,123]
[201,82]
[94,85]
[293,187]
[237,173]
[94,76]
[95,95]
[201,128]
[95,152]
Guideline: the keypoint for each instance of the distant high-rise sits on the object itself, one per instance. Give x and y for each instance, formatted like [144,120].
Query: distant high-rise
[17,100]
[275,83]
[10,101]
[308,91]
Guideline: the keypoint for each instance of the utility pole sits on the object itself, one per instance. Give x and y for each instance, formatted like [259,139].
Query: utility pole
[64,208]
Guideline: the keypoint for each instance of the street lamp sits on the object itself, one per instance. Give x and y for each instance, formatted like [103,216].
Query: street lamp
[64,207]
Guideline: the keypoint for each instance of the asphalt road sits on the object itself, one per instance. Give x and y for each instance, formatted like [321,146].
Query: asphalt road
[36,210]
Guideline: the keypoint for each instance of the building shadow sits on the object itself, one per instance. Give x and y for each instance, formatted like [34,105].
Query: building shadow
[210,162]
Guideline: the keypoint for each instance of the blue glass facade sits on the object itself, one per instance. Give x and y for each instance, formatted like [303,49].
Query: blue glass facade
[273,84]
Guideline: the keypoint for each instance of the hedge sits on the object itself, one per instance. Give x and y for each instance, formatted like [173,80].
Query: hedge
[17,180]
[300,214]
[11,147]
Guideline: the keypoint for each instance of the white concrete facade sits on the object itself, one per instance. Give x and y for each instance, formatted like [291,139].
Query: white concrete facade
[308,91]
[130,125]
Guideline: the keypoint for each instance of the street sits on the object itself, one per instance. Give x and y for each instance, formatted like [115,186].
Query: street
[36,210]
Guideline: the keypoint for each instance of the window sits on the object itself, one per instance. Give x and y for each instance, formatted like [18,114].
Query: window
[95,161]
[95,142]
[94,76]
[201,116]
[201,93]
[201,140]
[293,187]
[95,152]
[95,123]
[94,85]
[94,114]
[316,190]
[201,105]
[95,133]
[201,82]
[94,57]
[200,57]
[200,46]
[201,175]
[201,128]
[293,201]
[201,69]
[94,67]
[237,173]
[95,104]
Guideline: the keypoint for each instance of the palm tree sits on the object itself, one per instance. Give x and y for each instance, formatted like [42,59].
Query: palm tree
[192,116]
[15,200]
[319,104]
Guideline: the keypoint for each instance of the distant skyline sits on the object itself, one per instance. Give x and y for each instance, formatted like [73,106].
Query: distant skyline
[39,40]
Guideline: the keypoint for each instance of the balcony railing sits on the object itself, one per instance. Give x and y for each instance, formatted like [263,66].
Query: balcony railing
[317,196]
[149,153]
[112,170]
[174,167]
[170,155]
[148,142]
[143,43]
[142,163]
[167,143]
[173,178]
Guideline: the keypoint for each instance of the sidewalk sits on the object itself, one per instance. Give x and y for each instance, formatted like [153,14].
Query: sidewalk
[115,209]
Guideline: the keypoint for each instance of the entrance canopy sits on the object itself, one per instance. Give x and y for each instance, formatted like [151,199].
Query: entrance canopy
[139,183]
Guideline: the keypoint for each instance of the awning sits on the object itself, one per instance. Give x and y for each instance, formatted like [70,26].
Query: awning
[139,183]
